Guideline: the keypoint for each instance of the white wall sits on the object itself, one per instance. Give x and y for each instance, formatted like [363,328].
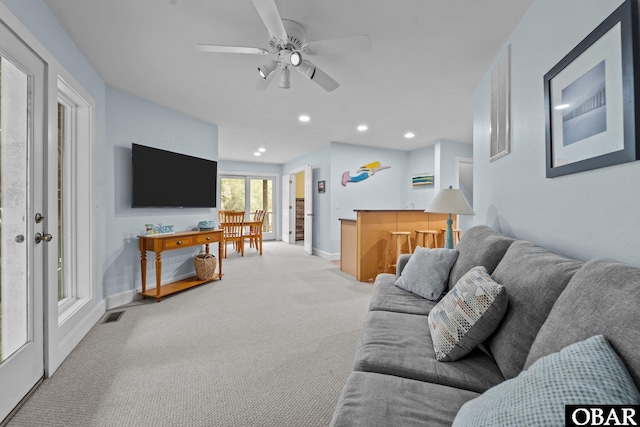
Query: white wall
[584,215]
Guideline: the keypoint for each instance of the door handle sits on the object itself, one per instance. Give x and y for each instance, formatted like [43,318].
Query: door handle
[46,237]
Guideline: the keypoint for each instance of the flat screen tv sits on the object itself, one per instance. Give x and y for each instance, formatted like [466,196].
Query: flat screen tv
[166,179]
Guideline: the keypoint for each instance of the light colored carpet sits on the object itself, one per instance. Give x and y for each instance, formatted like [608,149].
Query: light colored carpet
[271,344]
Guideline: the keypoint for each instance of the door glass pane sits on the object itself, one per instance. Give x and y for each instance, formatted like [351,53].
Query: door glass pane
[14,293]
[262,198]
[61,130]
[232,194]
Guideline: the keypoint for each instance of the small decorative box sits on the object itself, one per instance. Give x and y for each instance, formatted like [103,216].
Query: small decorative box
[207,225]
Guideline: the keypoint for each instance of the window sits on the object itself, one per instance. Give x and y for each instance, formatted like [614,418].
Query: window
[248,194]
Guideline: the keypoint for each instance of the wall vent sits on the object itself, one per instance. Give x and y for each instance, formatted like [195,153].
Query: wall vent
[113,317]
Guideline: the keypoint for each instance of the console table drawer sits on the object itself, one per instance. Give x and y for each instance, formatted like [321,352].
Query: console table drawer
[207,238]
[177,242]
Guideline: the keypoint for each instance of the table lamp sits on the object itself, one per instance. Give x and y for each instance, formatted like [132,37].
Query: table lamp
[450,201]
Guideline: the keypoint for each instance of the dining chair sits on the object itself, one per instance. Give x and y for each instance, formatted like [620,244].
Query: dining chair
[254,230]
[233,226]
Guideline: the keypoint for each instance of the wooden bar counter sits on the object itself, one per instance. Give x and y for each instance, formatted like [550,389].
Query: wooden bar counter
[363,241]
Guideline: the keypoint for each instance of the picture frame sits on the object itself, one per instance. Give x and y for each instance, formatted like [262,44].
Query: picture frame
[321,187]
[501,107]
[590,98]
[422,179]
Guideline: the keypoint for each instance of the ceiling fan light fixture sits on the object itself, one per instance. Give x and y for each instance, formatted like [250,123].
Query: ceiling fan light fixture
[307,69]
[290,57]
[267,69]
[285,82]
[295,59]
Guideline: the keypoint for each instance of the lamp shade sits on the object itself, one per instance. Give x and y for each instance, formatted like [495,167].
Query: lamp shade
[450,201]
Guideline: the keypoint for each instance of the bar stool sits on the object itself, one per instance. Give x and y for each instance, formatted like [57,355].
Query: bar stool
[394,249]
[455,235]
[424,236]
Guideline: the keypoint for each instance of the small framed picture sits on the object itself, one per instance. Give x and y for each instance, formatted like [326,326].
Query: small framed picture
[320,186]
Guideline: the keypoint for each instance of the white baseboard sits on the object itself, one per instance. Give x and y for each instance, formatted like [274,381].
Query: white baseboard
[122,298]
[326,255]
[113,301]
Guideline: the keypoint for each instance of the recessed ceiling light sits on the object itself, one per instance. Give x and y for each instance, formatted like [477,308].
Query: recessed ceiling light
[257,153]
[262,150]
[304,118]
[409,135]
[362,128]
[562,106]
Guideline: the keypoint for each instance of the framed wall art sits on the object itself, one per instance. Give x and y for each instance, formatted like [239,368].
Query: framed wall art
[590,98]
[501,106]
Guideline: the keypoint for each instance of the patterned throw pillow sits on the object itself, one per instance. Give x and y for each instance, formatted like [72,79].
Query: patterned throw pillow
[588,372]
[467,315]
[427,272]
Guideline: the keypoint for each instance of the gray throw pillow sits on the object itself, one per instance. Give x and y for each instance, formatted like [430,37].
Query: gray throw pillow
[588,372]
[467,315]
[427,272]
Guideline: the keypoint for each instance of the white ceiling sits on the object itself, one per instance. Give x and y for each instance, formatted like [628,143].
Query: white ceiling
[426,59]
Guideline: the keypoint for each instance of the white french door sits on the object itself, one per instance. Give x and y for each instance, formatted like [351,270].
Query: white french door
[247,194]
[22,89]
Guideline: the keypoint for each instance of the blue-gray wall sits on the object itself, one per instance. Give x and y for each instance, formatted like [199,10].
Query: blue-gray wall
[131,119]
[585,215]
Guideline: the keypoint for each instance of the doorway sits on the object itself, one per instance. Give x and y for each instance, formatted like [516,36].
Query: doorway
[289,210]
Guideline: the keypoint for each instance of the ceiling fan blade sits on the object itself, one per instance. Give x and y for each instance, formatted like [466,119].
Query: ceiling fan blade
[231,49]
[262,84]
[268,11]
[338,46]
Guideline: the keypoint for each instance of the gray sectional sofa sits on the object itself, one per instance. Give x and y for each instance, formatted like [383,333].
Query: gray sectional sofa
[554,303]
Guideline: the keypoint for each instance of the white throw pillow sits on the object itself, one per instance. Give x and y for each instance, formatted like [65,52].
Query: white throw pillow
[427,272]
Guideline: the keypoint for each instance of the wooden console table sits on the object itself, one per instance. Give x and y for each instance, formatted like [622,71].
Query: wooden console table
[166,242]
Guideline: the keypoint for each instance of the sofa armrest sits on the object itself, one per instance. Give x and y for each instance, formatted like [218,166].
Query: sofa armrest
[403,259]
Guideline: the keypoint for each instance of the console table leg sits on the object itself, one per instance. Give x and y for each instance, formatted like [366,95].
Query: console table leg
[158,274]
[143,270]
[220,260]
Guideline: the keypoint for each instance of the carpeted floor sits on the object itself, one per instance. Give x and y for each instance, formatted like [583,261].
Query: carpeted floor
[271,344]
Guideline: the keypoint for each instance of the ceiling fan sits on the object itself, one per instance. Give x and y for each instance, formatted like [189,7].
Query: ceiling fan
[289,46]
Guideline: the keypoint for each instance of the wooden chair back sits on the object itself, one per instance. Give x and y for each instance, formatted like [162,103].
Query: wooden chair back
[233,226]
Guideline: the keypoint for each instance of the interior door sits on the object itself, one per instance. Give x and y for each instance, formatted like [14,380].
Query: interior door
[22,129]
[308,209]
[287,204]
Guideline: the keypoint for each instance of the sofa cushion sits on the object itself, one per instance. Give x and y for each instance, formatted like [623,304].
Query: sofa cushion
[480,245]
[585,373]
[601,298]
[467,315]
[375,400]
[533,278]
[427,272]
[388,297]
[400,344]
